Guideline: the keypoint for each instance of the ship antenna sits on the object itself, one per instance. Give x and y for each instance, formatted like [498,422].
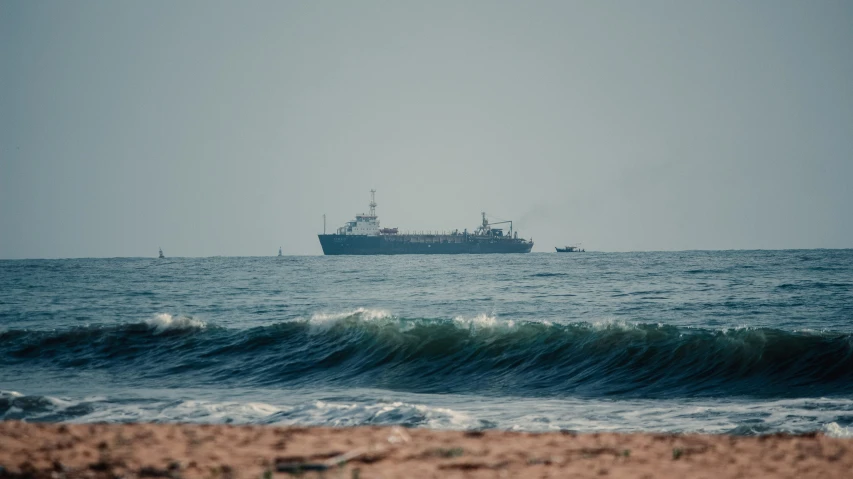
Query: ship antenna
[372,202]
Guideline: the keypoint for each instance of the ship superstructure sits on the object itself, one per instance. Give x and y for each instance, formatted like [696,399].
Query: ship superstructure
[363,235]
[363,224]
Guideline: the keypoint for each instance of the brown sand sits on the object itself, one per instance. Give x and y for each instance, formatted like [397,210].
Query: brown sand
[224,452]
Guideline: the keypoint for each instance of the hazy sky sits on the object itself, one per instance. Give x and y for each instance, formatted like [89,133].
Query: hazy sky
[230,128]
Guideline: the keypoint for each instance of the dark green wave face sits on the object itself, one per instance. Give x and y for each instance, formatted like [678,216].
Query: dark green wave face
[481,355]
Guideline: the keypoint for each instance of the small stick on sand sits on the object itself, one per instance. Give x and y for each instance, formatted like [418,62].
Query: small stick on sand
[339,460]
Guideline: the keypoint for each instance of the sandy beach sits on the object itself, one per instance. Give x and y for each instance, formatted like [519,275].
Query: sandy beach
[219,451]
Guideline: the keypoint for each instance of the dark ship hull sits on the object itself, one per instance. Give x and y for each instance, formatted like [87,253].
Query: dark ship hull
[336,244]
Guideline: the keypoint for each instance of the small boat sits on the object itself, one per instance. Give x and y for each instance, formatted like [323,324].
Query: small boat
[279,250]
[570,249]
[161,254]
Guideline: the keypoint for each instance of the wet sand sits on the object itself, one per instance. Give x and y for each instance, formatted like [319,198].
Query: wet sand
[174,451]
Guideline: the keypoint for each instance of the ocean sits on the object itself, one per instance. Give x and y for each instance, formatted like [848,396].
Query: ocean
[737,342]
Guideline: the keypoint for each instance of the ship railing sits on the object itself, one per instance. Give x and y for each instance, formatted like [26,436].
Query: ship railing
[446,237]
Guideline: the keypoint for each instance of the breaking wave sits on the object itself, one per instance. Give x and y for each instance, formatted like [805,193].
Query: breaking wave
[480,354]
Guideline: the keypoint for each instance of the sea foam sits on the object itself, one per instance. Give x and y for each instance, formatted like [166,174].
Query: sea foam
[834,430]
[483,321]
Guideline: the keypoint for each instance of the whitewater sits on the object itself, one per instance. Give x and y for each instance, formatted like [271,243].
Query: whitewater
[742,342]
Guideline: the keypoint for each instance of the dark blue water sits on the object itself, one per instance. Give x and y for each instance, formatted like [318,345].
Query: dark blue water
[742,342]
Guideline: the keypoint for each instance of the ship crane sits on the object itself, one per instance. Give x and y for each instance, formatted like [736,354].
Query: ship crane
[501,223]
[486,225]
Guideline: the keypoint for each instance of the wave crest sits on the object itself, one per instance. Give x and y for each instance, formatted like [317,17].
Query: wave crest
[325,321]
[482,321]
[164,322]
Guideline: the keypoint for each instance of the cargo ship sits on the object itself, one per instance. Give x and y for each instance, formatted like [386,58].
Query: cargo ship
[363,236]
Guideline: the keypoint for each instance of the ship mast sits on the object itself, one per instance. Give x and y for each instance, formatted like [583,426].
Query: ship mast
[372,203]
